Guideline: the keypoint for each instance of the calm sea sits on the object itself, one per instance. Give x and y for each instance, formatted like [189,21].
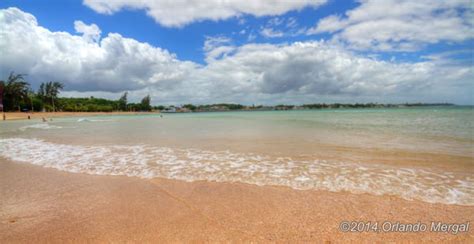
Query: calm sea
[422,154]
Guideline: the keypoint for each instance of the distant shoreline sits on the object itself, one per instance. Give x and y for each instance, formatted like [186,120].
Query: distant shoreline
[221,107]
[49,115]
[306,107]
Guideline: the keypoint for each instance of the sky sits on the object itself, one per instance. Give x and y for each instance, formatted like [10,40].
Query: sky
[249,52]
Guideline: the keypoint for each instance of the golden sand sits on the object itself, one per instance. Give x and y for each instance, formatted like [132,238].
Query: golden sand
[47,205]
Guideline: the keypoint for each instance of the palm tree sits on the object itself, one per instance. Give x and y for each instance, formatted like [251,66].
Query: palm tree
[49,91]
[145,104]
[31,96]
[15,89]
[41,92]
[122,102]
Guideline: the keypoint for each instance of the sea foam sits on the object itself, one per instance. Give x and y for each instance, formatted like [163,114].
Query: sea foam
[224,166]
[93,120]
[43,126]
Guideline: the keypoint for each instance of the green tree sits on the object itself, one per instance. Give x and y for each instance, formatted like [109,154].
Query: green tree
[15,91]
[41,92]
[190,107]
[31,98]
[122,102]
[160,107]
[49,92]
[145,104]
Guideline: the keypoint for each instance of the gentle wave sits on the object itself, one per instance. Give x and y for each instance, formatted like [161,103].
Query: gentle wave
[43,126]
[224,166]
[93,120]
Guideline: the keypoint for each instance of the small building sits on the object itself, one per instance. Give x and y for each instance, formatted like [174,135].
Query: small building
[169,110]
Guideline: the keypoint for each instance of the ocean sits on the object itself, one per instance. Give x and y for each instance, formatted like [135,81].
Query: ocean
[423,153]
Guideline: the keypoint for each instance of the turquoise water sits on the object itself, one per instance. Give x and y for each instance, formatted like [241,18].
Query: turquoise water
[415,153]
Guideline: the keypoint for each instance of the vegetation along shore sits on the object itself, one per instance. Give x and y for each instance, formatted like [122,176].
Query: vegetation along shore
[16,95]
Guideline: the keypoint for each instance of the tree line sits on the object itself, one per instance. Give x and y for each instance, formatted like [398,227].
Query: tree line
[233,107]
[16,94]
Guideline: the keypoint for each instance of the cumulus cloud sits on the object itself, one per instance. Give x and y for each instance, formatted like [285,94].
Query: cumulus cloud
[115,63]
[400,25]
[183,12]
[318,68]
[312,71]
[89,32]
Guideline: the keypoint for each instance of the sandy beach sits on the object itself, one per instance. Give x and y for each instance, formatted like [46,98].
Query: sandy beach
[312,121]
[40,115]
[47,205]
[40,203]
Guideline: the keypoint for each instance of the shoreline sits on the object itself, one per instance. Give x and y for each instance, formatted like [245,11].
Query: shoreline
[39,115]
[48,115]
[49,205]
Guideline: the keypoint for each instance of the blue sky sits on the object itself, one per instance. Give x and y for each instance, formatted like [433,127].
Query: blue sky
[206,54]
[186,42]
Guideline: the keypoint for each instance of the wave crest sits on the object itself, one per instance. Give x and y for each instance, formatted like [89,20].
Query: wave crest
[43,126]
[223,166]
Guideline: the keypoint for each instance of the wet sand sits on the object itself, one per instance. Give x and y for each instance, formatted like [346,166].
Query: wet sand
[46,205]
[48,115]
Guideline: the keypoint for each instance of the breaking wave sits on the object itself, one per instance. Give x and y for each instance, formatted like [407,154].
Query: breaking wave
[93,120]
[43,126]
[223,166]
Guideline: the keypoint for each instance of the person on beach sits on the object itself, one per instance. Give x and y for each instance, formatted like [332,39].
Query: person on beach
[44,120]
[4,116]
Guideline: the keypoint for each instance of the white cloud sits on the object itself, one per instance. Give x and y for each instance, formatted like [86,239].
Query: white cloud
[89,32]
[183,12]
[115,63]
[253,73]
[276,21]
[241,21]
[251,37]
[270,32]
[281,27]
[329,24]
[215,41]
[400,25]
[217,47]
[311,69]
[291,22]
